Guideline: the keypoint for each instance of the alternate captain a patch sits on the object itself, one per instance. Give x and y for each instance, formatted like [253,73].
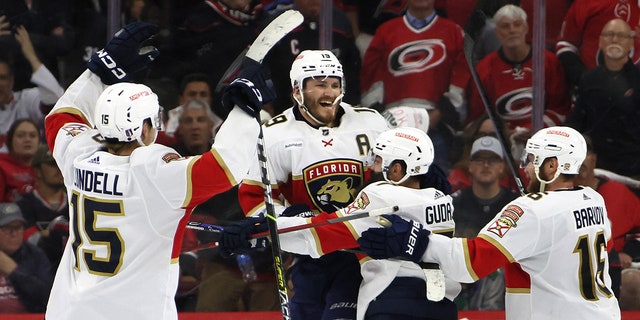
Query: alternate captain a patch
[508,219]
[333,184]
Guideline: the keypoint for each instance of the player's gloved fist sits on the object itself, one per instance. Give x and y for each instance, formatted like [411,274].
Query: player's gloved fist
[436,178]
[251,89]
[124,55]
[403,239]
[298,210]
[235,236]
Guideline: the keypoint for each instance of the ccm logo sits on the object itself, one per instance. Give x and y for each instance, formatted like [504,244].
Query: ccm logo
[111,65]
[413,237]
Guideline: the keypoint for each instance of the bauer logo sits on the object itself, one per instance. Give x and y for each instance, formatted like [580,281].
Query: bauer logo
[332,184]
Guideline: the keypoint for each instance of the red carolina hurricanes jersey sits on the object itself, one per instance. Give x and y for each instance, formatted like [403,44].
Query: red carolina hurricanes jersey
[583,24]
[415,63]
[509,88]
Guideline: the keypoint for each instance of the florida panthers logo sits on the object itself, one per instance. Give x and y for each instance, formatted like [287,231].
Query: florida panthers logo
[340,191]
[333,184]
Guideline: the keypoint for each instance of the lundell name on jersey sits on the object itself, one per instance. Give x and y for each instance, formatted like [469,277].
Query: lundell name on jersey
[96,181]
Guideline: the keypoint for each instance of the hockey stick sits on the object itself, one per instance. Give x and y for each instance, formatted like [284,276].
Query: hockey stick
[373,213]
[469,44]
[270,35]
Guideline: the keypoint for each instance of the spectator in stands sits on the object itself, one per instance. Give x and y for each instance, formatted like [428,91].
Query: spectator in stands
[607,100]
[307,37]
[192,86]
[459,174]
[418,60]
[578,42]
[17,177]
[506,76]
[214,34]
[47,27]
[474,207]
[25,272]
[26,103]
[45,209]
[195,132]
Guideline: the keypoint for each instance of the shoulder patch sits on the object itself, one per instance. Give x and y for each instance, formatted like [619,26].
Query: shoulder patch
[170,157]
[508,219]
[74,129]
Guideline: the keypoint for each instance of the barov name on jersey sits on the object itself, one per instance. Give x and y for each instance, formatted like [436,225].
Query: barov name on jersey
[97,182]
[588,216]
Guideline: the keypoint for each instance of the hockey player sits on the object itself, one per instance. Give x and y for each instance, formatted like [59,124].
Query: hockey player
[130,198]
[316,152]
[557,233]
[390,289]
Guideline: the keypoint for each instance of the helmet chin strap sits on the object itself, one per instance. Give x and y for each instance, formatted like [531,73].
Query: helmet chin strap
[543,183]
[403,179]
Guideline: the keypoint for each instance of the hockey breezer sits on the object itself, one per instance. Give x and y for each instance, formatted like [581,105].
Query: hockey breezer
[469,44]
[270,35]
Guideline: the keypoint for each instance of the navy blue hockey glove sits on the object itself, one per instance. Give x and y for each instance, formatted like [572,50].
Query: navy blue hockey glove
[436,178]
[235,236]
[124,55]
[298,210]
[251,89]
[403,239]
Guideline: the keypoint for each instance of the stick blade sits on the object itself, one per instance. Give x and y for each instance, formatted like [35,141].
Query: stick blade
[272,33]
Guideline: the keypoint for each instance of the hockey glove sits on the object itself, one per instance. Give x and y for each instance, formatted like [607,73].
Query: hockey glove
[403,239]
[124,55]
[250,90]
[436,178]
[235,236]
[298,210]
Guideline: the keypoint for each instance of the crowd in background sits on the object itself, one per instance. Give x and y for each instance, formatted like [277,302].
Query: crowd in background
[406,59]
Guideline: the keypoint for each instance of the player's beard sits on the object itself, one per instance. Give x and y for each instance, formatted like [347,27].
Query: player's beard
[614,51]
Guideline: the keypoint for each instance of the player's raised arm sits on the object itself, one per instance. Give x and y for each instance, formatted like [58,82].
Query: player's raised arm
[119,61]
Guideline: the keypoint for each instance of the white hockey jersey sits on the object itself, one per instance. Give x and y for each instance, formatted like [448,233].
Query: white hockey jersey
[559,239]
[321,167]
[429,206]
[128,212]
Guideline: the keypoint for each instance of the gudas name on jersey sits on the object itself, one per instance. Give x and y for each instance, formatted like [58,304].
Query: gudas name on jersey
[588,216]
[96,181]
[439,213]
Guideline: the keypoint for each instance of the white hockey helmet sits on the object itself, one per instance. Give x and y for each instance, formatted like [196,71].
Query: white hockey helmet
[315,64]
[122,109]
[411,145]
[564,143]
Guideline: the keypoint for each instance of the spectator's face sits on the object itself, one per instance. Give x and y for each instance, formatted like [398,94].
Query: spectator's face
[421,4]
[11,236]
[195,127]
[319,97]
[616,40]
[511,32]
[6,83]
[25,140]
[50,175]
[486,168]
[310,9]
[196,90]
